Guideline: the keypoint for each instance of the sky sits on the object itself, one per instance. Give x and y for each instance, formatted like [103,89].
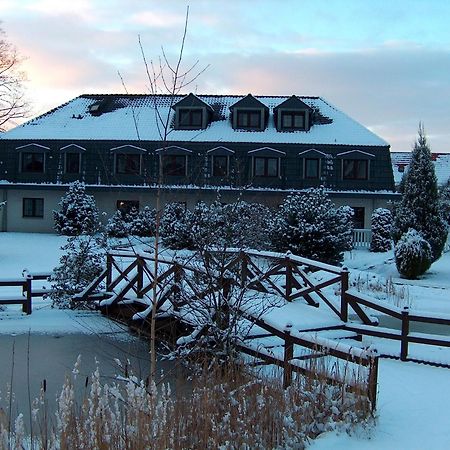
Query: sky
[384,63]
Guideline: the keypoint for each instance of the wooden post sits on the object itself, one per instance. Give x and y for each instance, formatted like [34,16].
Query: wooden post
[288,355]
[176,289]
[140,277]
[109,260]
[27,306]
[344,289]
[405,332]
[288,264]
[373,380]
[244,269]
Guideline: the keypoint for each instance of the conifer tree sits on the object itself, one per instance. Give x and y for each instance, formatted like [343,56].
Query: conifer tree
[381,224]
[419,207]
[78,213]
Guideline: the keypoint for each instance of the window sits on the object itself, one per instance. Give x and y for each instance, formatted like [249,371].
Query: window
[33,207]
[293,120]
[358,217]
[127,163]
[33,162]
[355,169]
[190,118]
[220,166]
[311,168]
[125,206]
[174,165]
[73,162]
[249,119]
[265,167]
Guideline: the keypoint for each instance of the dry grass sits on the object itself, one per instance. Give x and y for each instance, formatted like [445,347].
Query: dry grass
[223,407]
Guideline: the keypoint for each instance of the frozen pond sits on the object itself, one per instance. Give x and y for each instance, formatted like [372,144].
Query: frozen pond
[52,357]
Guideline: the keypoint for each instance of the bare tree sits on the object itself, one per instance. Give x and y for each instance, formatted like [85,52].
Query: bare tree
[12,99]
[169,78]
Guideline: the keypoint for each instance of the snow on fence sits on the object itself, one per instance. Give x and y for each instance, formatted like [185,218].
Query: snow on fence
[130,280]
[353,298]
[25,282]
[361,238]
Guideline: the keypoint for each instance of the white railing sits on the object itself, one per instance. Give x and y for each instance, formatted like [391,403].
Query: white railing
[361,237]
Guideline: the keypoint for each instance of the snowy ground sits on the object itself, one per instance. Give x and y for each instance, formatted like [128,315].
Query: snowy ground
[413,399]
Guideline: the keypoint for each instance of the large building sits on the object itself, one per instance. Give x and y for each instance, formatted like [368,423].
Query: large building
[257,148]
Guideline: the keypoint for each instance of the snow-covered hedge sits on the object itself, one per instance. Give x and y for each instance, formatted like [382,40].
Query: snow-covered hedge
[413,255]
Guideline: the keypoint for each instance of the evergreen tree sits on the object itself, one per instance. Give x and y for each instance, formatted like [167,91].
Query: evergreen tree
[381,224]
[78,213]
[309,225]
[419,207]
[81,262]
[117,225]
[444,196]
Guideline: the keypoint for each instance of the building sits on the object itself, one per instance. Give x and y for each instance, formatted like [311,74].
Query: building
[258,148]
[441,161]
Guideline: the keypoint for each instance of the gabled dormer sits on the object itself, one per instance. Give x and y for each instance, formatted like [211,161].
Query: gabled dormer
[292,115]
[249,114]
[192,113]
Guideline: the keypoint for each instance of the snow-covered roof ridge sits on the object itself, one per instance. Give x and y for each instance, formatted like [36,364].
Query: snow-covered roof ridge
[123,114]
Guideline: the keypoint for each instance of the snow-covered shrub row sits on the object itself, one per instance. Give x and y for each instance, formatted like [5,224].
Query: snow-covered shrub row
[381,224]
[223,406]
[309,225]
[238,224]
[137,223]
[413,255]
[78,213]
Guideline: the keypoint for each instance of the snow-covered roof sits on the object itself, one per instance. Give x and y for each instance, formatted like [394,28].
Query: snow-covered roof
[122,114]
[441,161]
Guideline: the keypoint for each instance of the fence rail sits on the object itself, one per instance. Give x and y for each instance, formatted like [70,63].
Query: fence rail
[361,237]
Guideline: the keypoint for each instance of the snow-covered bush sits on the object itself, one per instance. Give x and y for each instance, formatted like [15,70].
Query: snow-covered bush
[247,225]
[381,224]
[81,262]
[309,225]
[144,223]
[413,255]
[117,225]
[444,197]
[176,226]
[419,207]
[78,213]
[345,214]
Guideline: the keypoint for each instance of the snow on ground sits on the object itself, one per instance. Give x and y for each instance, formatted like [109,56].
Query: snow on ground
[39,252]
[413,399]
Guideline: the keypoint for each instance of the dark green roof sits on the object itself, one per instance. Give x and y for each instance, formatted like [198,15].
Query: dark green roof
[249,102]
[293,102]
[190,101]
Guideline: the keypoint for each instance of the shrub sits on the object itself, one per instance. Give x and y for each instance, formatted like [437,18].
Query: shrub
[309,225]
[413,255]
[81,262]
[144,223]
[381,224]
[176,226]
[78,213]
[117,226]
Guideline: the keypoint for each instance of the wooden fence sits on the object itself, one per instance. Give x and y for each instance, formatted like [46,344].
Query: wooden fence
[25,282]
[353,298]
[133,276]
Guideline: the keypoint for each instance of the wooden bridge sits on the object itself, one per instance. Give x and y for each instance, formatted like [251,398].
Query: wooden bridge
[290,311]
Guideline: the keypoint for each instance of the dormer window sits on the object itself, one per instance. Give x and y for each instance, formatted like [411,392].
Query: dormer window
[292,115]
[293,120]
[249,119]
[190,118]
[249,114]
[192,113]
